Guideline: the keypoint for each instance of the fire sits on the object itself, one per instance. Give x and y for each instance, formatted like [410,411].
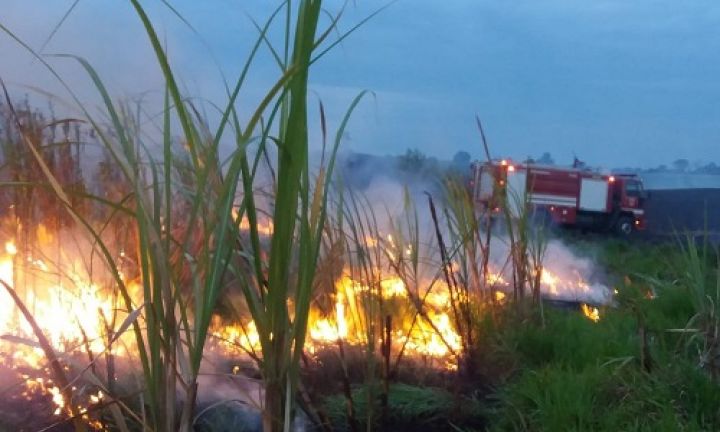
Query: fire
[569,287]
[264,225]
[427,341]
[371,241]
[393,287]
[10,248]
[325,331]
[69,309]
[7,308]
[73,308]
[231,336]
[74,311]
[433,335]
[550,281]
[496,279]
[342,328]
[592,313]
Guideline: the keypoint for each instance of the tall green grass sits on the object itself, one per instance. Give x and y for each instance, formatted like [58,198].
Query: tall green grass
[181,208]
[699,268]
[577,375]
[573,374]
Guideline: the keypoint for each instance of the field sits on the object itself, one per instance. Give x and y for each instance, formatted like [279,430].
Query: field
[693,210]
[213,276]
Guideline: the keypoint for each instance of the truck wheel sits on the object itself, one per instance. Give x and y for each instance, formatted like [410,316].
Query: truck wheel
[624,226]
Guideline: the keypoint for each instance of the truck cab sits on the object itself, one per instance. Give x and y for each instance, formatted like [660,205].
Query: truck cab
[629,198]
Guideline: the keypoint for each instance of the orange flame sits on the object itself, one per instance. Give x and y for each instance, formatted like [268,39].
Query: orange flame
[592,313]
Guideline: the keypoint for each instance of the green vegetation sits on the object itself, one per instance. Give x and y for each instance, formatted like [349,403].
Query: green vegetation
[202,198]
[636,369]
[410,407]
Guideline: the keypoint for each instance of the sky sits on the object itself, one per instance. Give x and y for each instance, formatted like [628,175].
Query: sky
[613,82]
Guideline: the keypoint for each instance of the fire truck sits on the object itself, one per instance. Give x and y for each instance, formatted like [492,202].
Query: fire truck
[565,196]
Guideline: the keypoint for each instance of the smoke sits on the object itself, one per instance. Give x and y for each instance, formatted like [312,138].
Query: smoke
[567,276]
[571,268]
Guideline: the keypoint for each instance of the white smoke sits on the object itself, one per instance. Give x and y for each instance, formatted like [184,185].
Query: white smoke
[579,274]
[568,276]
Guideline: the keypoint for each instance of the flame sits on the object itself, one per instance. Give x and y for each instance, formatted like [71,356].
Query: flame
[432,336]
[235,335]
[10,248]
[69,309]
[7,307]
[393,287]
[592,313]
[264,226]
[342,328]
[330,329]
[550,282]
[324,331]
[371,241]
[73,310]
[495,279]
[571,287]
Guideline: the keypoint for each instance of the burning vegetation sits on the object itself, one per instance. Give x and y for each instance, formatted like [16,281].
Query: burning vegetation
[388,292]
[154,283]
[395,301]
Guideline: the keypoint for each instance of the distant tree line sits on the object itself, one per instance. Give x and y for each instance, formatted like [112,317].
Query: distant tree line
[683,166]
[414,166]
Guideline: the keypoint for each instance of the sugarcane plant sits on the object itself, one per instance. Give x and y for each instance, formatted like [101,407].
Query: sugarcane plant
[187,202]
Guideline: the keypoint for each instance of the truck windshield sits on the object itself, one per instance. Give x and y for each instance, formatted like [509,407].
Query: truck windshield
[633,189]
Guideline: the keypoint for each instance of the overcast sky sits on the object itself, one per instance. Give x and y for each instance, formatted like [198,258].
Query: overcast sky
[615,82]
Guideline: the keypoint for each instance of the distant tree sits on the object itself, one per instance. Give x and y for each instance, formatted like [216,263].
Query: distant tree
[681,165]
[546,159]
[711,168]
[412,161]
[461,159]
[658,169]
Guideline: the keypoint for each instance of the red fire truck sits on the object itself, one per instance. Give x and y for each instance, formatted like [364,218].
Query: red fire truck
[566,196]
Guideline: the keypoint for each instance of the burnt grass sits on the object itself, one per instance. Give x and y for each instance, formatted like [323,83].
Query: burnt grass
[24,411]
